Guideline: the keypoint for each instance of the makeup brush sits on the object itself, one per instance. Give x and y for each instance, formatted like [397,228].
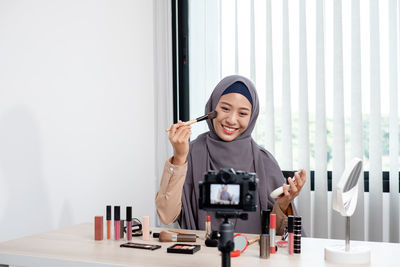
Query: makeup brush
[167,237]
[181,232]
[254,240]
[210,116]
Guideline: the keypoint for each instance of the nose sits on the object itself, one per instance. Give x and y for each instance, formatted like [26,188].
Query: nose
[231,118]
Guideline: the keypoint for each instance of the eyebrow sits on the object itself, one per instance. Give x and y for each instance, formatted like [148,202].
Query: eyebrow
[226,103]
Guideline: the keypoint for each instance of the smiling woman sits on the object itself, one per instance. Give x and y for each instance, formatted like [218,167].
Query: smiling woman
[227,144]
[234,110]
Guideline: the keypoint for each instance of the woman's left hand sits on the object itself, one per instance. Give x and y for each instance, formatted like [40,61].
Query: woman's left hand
[295,188]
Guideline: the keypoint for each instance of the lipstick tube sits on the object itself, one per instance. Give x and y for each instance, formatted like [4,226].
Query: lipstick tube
[208,227]
[129,223]
[291,234]
[116,222]
[108,218]
[272,232]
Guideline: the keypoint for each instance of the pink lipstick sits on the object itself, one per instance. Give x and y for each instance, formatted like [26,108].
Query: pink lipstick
[129,223]
[116,222]
[291,234]
[272,232]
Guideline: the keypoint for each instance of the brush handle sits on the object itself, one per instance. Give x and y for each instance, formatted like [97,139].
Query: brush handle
[186,238]
[177,231]
[181,232]
[185,123]
[254,240]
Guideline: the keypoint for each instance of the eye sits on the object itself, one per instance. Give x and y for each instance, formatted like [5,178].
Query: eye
[243,114]
[224,108]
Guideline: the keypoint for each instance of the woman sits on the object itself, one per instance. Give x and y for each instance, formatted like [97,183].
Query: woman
[227,144]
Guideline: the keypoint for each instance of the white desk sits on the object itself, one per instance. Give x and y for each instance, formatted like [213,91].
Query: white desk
[75,246]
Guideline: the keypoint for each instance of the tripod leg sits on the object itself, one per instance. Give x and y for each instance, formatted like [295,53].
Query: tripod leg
[226,244]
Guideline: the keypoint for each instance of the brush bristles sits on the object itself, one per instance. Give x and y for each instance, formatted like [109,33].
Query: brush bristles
[209,116]
[212,115]
[165,237]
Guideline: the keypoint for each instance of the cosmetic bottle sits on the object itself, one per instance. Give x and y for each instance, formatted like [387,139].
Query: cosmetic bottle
[116,222]
[98,228]
[146,228]
[272,232]
[297,235]
[208,228]
[129,223]
[108,218]
[121,229]
[264,237]
[291,234]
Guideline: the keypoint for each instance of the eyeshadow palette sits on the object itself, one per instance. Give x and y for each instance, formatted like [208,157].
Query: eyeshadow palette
[183,248]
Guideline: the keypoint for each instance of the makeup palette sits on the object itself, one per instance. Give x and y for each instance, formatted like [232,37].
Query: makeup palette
[183,249]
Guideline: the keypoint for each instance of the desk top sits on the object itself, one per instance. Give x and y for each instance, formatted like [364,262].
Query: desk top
[75,246]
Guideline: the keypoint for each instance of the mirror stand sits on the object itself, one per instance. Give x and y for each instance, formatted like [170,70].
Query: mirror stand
[347,236]
[346,254]
[344,202]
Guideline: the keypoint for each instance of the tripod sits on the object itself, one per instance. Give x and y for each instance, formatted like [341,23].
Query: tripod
[226,244]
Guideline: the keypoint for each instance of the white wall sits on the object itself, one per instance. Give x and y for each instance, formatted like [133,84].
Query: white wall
[76,112]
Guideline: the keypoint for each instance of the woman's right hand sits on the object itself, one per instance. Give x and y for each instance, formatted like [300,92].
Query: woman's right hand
[179,137]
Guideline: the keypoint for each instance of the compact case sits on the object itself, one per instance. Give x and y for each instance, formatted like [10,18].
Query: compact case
[183,248]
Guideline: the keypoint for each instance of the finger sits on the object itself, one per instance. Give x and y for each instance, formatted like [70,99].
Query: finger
[181,133]
[296,178]
[300,178]
[293,187]
[303,175]
[175,128]
[187,135]
[172,131]
[285,191]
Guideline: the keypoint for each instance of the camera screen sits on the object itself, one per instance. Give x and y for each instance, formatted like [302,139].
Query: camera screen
[224,194]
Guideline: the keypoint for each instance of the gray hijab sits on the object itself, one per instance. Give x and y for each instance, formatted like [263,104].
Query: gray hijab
[208,151]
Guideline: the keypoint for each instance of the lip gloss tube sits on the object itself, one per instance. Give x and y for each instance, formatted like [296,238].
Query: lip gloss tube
[121,229]
[116,222]
[272,232]
[108,217]
[291,234]
[129,223]
[146,228]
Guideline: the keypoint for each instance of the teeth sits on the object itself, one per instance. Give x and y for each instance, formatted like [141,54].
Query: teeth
[229,129]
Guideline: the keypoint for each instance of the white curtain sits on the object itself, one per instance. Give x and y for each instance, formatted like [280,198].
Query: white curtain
[327,75]
[163,97]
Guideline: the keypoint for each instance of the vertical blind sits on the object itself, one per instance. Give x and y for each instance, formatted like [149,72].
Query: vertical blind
[326,72]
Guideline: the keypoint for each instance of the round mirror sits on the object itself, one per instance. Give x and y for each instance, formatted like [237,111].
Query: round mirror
[241,243]
[346,191]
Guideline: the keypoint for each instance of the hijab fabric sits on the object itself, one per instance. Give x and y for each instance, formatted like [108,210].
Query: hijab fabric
[209,152]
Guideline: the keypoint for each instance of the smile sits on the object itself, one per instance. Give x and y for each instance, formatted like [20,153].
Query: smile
[229,130]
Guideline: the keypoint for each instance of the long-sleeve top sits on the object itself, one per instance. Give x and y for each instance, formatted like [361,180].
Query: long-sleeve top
[169,197]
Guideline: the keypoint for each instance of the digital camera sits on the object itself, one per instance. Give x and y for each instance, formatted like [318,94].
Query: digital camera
[228,190]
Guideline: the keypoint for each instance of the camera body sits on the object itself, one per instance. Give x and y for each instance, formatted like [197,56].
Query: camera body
[228,190]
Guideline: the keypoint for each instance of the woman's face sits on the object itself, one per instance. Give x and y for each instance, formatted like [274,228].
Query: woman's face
[233,117]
